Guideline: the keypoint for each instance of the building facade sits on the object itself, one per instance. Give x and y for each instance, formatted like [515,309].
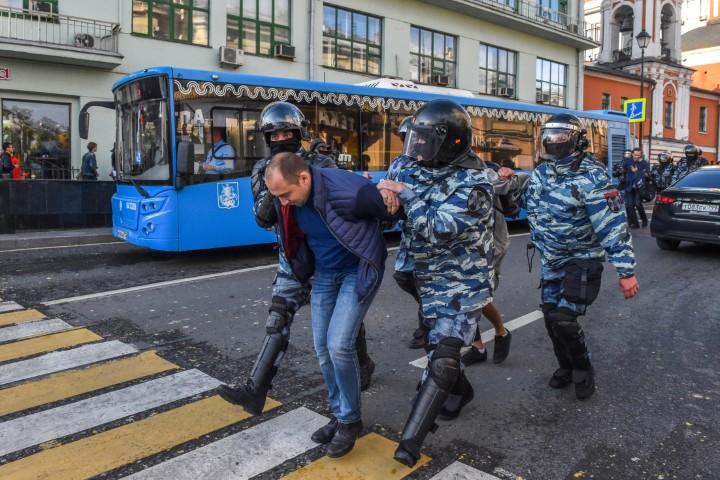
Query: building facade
[682,106]
[57,55]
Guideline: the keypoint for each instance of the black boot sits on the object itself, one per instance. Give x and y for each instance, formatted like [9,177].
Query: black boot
[461,394]
[251,396]
[444,371]
[418,339]
[561,377]
[325,433]
[502,347]
[584,383]
[367,366]
[344,439]
[571,334]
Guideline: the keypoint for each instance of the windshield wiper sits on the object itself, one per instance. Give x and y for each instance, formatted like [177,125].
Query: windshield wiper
[139,189]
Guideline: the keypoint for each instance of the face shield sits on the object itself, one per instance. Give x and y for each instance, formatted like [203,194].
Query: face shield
[423,143]
[557,144]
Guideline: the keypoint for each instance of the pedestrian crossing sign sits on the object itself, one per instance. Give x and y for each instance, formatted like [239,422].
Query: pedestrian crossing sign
[634,109]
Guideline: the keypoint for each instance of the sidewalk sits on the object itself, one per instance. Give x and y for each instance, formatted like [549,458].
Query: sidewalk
[54,238]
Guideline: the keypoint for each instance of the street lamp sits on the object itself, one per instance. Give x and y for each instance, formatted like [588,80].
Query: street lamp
[643,40]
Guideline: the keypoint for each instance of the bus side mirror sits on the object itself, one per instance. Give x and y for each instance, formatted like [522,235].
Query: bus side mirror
[185,159]
[84,124]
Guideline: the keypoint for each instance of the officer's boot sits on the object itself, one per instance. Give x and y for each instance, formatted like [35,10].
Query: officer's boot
[253,393]
[572,336]
[562,377]
[367,366]
[461,394]
[444,371]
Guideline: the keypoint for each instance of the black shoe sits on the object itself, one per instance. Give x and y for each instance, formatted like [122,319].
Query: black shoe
[407,453]
[584,381]
[244,396]
[502,347]
[455,403]
[561,378]
[366,371]
[325,433]
[418,340]
[474,356]
[344,439]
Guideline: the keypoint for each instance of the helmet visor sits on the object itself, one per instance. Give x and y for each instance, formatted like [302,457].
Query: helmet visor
[557,143]
[424,142]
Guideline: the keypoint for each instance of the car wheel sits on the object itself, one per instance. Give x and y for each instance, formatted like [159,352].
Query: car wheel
[666,244]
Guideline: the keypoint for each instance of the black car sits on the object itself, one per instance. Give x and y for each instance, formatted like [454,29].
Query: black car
[689,210]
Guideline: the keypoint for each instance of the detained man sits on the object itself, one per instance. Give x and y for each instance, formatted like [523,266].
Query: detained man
[329,229]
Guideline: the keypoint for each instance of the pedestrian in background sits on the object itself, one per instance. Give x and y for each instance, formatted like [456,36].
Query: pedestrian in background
[636,173]
[6,162]
[689,163]
[89,168]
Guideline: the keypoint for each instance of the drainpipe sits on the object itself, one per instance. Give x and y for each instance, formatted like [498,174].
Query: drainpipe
[311,49]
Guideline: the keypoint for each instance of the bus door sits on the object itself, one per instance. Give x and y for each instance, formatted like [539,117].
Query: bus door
[619,142]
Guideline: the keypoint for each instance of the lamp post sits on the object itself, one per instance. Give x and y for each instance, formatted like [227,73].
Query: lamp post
[643,40]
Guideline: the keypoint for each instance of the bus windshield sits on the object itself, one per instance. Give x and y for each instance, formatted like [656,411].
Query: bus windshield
[142,131]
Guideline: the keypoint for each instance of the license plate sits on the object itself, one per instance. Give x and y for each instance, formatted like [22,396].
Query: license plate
[122,234]
[700,208]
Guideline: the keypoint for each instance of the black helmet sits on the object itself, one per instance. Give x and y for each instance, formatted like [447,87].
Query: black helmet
[441,131]
[561,139]
[280,116]
[692,152]
[664,158]
[404,127]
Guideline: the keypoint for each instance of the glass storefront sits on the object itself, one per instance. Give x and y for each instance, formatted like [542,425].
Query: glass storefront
[40,133]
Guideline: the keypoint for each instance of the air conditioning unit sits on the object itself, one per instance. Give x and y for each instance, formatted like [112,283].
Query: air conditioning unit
[284,51]
[231,57]
[440,79]
[85,40]
[506,92]
[542,97]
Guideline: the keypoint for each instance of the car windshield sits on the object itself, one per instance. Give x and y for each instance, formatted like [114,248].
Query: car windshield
[142,128]
[700,179]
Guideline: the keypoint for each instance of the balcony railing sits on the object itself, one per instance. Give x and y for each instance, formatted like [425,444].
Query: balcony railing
[59,30]
[540,14]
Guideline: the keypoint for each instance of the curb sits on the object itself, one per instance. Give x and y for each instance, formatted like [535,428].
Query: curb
[20,241]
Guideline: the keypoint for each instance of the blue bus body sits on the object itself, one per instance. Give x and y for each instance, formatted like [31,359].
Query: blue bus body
[169,213]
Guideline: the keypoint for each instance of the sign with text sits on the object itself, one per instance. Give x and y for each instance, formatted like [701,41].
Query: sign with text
[4,73]
[634,109]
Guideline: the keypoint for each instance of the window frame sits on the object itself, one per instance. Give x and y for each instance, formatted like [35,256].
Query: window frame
[352,40]
[702,124]
[172,8]
[432,57]
[241,19]
[497,70]
[606,101]
[562,102]
[668,121]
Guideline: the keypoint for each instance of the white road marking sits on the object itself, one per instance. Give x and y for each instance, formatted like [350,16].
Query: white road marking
[30,329]
[460,471]
[149,286]
[61,246]
[244,454]
[75,417]
[10,307]
[63,360]
[489,335]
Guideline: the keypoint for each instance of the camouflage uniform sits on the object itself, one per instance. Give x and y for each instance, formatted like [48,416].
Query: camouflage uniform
[285,285]
[449,224]
[662,175]
[685,166]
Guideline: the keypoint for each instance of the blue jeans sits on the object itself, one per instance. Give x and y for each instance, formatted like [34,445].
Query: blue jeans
[336,318]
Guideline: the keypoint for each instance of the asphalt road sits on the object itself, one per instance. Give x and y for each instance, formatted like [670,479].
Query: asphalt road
[654,415]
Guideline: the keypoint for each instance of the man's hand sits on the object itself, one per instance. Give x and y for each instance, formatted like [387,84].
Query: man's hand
[629,286]
[506,173]
[391,200]
[391,185]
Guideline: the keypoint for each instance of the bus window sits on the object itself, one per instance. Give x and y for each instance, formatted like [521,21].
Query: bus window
[142,130]
[597,136]
[338,127]
[505,142]
[375,139]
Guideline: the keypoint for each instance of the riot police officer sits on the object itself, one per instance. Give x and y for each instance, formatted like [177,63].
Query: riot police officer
[284,127]
[662,173]
[689,163]
[575,218]
[448,206]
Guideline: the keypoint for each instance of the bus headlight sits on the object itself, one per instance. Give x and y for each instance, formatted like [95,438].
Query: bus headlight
[152,205]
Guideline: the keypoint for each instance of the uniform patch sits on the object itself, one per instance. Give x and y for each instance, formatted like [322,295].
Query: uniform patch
[477,200]
[613,200]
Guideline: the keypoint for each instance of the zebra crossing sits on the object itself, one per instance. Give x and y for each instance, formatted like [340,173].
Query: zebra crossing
[74,405]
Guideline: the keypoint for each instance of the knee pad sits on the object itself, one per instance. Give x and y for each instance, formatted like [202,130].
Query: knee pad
[547,308]
[564,325]
[279,316]
[445,363]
